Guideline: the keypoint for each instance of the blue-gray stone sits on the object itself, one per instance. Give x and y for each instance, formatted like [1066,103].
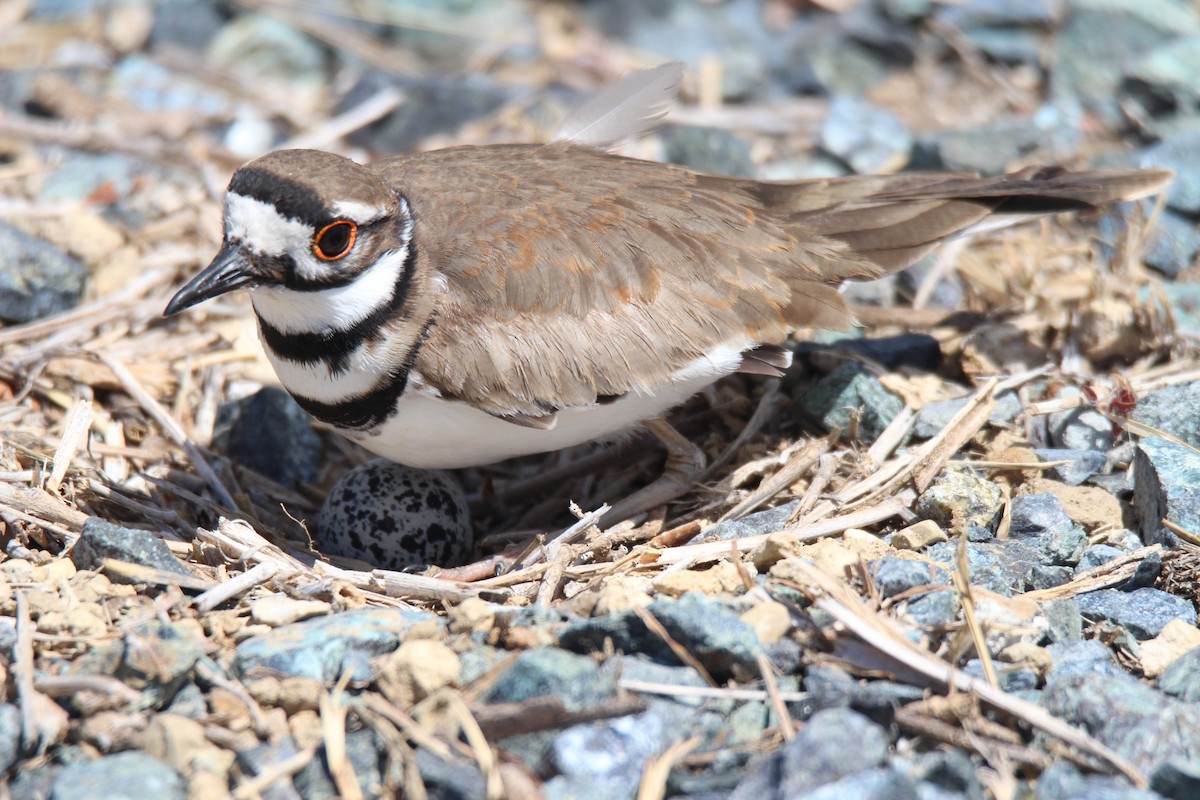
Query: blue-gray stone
[262,48]
[846,390]
[917,350]
[1065,623]
[935,415]
[149,86]
[990,149]
[456,778]
[124,776]
[1180,154]
[639,668]
[831,687]
[1082,657]
[1170,71]
[1080,429]
[1062,781]
[437,104]
[1177,779]
[1040,521]
[769,521]
[883,783]
[548,671]
[1183,301]
[1097,555]
[1181,678]
[364,751]
[271,434]
[1166,486]
[1082,465]
[1044,577]
[10,736]
[324,647]
[835,743]
[895,575]
[1002,565]
[37,280]
[1141,723]
[1143,612]
[188,24]
[933,608]
[1173,409]
[1102,39]
[713,151]
[1012,679]
[1002,13]
[948,772]
[709,630]
[266,758]
[100,540]
[867,138]
[1172,244]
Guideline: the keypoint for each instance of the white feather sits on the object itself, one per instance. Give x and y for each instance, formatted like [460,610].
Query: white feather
[624,110]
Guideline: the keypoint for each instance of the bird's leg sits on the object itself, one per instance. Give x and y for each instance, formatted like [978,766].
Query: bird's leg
[685,462]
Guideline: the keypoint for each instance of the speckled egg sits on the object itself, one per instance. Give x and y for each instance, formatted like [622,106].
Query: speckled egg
[395,516]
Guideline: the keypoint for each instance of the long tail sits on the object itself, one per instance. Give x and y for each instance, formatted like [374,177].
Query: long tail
[892,221]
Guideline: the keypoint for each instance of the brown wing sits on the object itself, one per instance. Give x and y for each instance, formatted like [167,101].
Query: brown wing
[571,274]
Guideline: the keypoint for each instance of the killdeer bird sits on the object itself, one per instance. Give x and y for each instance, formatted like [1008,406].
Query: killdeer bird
[468,305]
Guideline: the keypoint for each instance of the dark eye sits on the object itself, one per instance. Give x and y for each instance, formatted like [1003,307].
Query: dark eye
[335,240]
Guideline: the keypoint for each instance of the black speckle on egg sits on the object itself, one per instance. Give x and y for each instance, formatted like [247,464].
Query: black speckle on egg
[395,517]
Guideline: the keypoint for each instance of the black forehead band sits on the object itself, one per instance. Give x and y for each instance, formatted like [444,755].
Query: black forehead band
[291,199]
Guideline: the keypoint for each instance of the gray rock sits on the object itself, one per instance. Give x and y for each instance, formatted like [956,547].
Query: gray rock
[100,540]
[1182,677]
[895,575]
[710,630]
[1144,612]
[831,687]
[1082,657]
[1142,724]
[1062,781]
[821,59]
[933,608]
[1003,13]
[147,85]
[10,736]
[1173,409]
[364,752]
[866,137]
[1097,555]
[123,776]
[958,499]
[185,23]
[713,151]
[322,648]
[266,758]
[935,415]
[1065,623]
[1002,566]
[1167,486]
[1040,521]
[542,671]
[265,49]
[917,350]
[990,149]
[835,743]
[1177,779]
[1181,154]
[1044,577]
[450,779]
[1182,300]
[848,388]
[1083,464]
[37,280]
[884,783]
[1173,244]
[437,104]
[1080,429]
[269,433]
[1102,39]
[1012,679]
[395,517]
[948,772]
[769,521]
[1008,45]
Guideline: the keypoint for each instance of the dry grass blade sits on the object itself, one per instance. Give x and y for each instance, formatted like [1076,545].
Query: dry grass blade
[882,635]
[962,427]
[1108,574]
[79,421]
[777,704]
[23,676]
[681,652]
[423,587]
[962,582]
[333,729]
[788,474]
[501,720]
[716,692]
[654,777]
[254,788]
[259,573]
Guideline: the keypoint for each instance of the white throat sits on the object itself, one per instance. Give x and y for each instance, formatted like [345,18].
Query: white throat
[339,308]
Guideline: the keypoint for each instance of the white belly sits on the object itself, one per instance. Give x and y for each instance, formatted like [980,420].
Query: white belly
[430,432]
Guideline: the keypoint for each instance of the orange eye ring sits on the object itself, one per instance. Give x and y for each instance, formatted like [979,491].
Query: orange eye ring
[335,240]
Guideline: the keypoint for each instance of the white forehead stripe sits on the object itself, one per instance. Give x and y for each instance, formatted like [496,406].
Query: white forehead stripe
[361,213]
[335,309]
[260,227]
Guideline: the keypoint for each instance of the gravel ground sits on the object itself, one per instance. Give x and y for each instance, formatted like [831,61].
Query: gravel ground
[951,555]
